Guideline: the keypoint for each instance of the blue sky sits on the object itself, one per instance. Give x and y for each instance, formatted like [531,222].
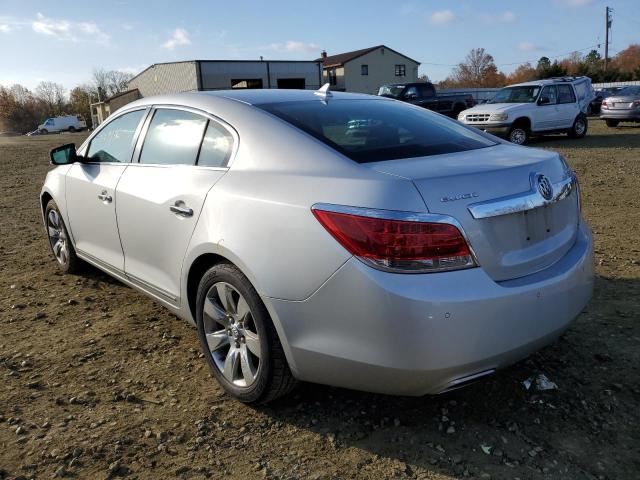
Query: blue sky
[63,41]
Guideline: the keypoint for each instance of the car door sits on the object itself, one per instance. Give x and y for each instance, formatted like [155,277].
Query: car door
[545,113]
[90,190]
[568,108]
[181,155]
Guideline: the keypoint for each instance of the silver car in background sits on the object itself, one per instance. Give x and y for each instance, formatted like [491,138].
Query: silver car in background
[622,106]
[410,258]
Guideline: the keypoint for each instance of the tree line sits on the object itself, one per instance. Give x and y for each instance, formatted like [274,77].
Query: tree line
[22,110]
[479,70]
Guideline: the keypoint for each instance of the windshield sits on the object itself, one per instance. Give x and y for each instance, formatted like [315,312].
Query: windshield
[377,130]
[391,90]
[524,94]
[628,92]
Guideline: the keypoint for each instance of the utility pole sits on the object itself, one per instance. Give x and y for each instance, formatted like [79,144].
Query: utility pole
[606,38]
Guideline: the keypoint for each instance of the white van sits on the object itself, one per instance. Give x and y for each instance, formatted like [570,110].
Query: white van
[67,123]
[517,112]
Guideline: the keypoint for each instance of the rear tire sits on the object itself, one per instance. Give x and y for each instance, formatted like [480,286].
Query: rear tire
[72,129]
[518,134]
[238,338]
[612,123]
[579,127]
[59,240]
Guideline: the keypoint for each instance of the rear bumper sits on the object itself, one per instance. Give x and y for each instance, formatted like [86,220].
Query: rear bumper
[633,115]
[418,334]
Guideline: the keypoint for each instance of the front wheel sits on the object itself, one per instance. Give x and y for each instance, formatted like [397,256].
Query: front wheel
[44,131]
[579,127]
[612,123]
[59,240]
[238,338]
[518,134]
[72,129]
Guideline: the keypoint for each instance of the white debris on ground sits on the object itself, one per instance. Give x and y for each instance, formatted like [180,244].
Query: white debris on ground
[542,383]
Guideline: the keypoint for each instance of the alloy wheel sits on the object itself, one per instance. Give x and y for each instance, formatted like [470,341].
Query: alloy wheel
[580,126]
[57,237]
[518,136]
[231,334]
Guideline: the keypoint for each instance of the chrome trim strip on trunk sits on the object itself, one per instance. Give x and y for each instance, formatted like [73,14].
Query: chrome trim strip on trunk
[522,202]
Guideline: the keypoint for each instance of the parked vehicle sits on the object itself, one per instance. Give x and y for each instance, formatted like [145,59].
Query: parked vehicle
[66,123]
[423,94]
[518,112]
[412,258]
[623,106]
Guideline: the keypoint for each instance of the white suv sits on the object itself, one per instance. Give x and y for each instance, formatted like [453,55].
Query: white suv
[556,105]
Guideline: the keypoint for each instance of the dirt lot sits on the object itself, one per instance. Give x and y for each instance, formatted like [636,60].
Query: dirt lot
[99,382]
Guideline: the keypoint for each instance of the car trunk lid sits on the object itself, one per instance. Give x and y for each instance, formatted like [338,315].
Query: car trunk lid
[493,192]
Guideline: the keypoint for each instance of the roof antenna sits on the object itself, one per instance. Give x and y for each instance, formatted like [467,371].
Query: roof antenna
[324,93]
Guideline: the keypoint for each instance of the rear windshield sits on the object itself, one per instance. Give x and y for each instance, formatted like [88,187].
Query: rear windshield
[376,130]
[628,91]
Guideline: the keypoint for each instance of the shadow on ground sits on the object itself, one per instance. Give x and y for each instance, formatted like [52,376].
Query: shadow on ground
[498,427]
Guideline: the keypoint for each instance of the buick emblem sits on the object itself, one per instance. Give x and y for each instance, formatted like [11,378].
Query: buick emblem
[544,187]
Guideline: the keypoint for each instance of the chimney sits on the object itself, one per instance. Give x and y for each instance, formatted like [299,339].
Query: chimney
[324,54]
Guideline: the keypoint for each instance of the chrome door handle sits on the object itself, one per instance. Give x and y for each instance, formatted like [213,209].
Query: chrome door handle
[105,197]
[182,211]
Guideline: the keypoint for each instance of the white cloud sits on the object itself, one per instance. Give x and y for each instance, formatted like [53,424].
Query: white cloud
[180,37]
[48,26]
[503,17]
[67,30]
[442,17]
[5,28]
[576,3]
[293,46]
[530,47]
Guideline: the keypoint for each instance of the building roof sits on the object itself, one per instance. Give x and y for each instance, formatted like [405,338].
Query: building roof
[342,58]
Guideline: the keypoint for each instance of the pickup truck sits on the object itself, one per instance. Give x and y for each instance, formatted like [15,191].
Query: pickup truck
[424,95]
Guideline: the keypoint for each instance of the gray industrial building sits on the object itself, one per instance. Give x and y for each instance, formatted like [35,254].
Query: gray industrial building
[197,75]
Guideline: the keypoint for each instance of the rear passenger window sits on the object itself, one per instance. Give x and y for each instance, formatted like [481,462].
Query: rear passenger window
[173,138]
[114,143]
[216,146]
[565,94]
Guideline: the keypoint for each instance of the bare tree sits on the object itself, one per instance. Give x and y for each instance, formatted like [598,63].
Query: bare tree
[52,95]
[477,70]
[108,83]
[118,81]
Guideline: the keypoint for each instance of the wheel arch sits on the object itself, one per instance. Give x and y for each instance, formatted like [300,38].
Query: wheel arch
[522,121]
[205,260]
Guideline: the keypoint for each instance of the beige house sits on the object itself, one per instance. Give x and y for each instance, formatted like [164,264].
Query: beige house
[366,70]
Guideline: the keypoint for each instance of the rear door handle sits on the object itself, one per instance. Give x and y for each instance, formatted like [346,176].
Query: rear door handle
[181,210]
[105,197]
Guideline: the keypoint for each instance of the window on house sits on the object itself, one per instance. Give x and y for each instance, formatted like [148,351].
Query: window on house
[364,69]
[401,71]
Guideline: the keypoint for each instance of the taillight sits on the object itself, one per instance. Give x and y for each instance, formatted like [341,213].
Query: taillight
[604,103]
[636,103]
[397,241]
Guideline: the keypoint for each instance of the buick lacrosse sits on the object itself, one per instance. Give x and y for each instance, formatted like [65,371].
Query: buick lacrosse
[336,238]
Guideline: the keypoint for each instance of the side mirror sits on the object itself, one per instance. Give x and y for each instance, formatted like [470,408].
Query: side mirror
[544,101]
[64,155]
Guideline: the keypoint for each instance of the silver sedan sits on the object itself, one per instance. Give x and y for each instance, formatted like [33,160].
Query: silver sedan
[622,106]
[336,238]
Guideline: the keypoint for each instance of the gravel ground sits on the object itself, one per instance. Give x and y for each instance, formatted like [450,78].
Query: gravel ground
[101,382]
